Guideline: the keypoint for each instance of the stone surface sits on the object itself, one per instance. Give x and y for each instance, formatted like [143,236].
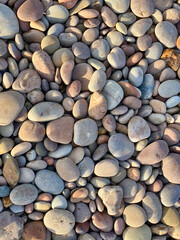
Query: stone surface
[11,104]
[143,233]
[57,14]
[170,194]
[169,88]
[106,168]
[7,17]
[49,181]
[59,221]
[120,146]
[142,9]
[34,230]
[23,194]
[11,171]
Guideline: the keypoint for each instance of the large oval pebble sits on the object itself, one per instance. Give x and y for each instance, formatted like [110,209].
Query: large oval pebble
[45,111]
[57,14]
[143,233]
[59,221]
[170,194]
[23,194]
[169,88]
[142,8]
[49,181]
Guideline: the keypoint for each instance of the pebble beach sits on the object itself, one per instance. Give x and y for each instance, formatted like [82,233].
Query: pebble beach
[90,120]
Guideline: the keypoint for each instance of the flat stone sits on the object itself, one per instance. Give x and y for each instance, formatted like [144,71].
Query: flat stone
[102,221]
[8,222]
[49,181]
[82,212]
[106,168]
[97,106]
[61,130]
[21,149]
[143,233]
[9,22]
[26,175]
[100,49]
[97,81]
[61,56]
[59,201]
[43,65]
[112,197]
[34,230]
[59,221]
[11,171]
[113,94]
[138,129]
[117,58]
[136,76]
[11,104]
[153,153]
[85,132]
[6,144]
[140,27]
[86,167]
[23,194]
[129,188]
[166,33]
[108,16]
[81,50]
[61,151]
[171,136]
[169,88]
[118,6]
[30,10]
[153,207]
[170,194]
[170,216]
[37,165]
[57,14]
[79,195]
[67,169]
[120,146]
[142,9]
[31,131]
[4,191]
[171,168]
[134,215]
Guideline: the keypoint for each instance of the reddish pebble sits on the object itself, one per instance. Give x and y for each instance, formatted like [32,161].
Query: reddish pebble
[135,58]
[29,208]
[49,161]
[82,228]
[156,186]
[46,197]
[68,3]
[102,139]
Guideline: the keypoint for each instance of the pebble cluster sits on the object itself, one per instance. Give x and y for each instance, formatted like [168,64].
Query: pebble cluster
[89,119]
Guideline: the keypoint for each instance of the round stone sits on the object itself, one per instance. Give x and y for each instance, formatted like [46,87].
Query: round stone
[97,106]
[169,88]
[170,194]
[43,65]
[138,129]
[31,131]
[26,175]
[48,181]
[6,144]
[23,194]
[59,221]
[129,188]
[67,169]
[81,50]
[140,27]
[7,17]
[61,130]
[106,168]
[153,153]
[100,49]
[73,89]
[120,146]
[57,14]
[108,16]
[170,216]
[115,39]
[97,81]
[171,168]
[50,44]
[113,93]
[166,33]
[30,10]
[86,167]
[136,76]
[117,58]
[59,201]
[118,6]
[61,56]
[153,207]
[142,9]
[34,230]
[143,233]
[134,215]
[102,221]
[171,136]
[85,132]
[11,103]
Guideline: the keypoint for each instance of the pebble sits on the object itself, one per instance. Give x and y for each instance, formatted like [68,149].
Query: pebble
[147,86]
[37,165]
[59,202]
[14,103]
[103,49]
[23,194]
[129,188]
[171,136]
[81,50]
[170,168]
[4,191]
[112,197]
[97,81]
[117,58]
[170,194]
[20,149]
[85,132]
[153,207]
[166,33]
[86,167]
[106,168]
[120,146]
[57,14]
[102,221]
[138,129]
[143,233]
[67,169]
[82,212]
[10,221]
[11,171]
[108,16]
[134,215]
[34,230]
[61,130]
[59,221]
[139,195]
[113,94]
[140,27]
[50,44]
[7,16]
[169,88]
[170,216]
[114,38]
[6,144]
[61,151]
[118,6]
[97,106]
[141,9]
[135,76]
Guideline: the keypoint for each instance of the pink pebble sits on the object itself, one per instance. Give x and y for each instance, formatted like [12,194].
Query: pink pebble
[46,197]
[156,186]
[119,226]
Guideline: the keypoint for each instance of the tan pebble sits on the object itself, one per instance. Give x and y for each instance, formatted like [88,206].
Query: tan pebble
[80,109]
[129,89]
[46,197]
[119,226]
[42,206]
[66,71]
[88,13]
[79,195]
[132,102]
[90,35]
[39,25]
[170,216]
[31,131]
[108,16]
[6,144]
[61,56]
[97,106]
[34,230]
[29,208]
[102,139]
[171,136]
[11,171]
[133,173]
[43,65]
[106,168]
[50,44]
[33,36]
[20,149]
[68,104]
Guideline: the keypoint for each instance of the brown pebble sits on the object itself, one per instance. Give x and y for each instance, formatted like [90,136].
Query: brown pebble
[73,89]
